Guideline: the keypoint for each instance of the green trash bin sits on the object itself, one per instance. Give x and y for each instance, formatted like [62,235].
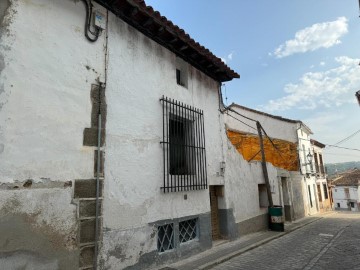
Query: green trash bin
[276,219]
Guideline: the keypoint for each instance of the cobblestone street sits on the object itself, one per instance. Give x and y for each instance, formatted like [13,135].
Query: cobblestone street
[330,243]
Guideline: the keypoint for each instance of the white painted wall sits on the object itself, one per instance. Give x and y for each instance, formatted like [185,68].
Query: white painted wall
[309,169]
[45,91]
[44,107]
[339,193]
[339,196]
[241,186]
[140,72]
[292,132]
[274,128]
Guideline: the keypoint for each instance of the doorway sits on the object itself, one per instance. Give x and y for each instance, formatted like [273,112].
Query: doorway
[215,230]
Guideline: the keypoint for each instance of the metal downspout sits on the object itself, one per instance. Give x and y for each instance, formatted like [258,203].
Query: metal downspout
[97,186]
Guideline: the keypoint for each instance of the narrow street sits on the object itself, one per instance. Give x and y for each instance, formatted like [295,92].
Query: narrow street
[330,243]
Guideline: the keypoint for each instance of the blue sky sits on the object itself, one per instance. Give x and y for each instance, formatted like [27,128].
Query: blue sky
[298,59]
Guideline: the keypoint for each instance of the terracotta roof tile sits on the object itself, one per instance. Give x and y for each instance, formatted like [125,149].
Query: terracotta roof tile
[349,178]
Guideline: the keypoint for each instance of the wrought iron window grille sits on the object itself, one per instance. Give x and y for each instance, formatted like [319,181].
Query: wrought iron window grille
[187,230]
[165,237]
[184,155]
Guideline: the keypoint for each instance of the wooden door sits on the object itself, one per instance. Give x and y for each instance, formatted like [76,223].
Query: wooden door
[214,213]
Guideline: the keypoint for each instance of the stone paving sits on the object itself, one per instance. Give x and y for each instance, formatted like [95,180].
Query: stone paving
[332,243]
[224,252]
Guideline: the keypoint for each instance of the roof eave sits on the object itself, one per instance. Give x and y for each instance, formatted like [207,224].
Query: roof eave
[170,36]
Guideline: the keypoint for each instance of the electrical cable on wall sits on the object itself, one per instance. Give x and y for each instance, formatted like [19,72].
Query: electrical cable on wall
[226,98]
[96,33]
[240,121]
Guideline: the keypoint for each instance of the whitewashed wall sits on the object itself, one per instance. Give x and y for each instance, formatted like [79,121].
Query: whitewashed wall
[339,193]
[241,186]
[45,86]
[320,178]
[46,71]
[274,128]
[339,196]
[140,73]
[310,180]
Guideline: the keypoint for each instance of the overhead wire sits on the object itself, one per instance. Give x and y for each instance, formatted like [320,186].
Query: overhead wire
[240,121]
[273,144]
[354,149]
[349,137]
[262,128]
[229,109]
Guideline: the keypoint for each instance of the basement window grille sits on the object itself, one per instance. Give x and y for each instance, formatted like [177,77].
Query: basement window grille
[187,230]
[184,155]
[165,237]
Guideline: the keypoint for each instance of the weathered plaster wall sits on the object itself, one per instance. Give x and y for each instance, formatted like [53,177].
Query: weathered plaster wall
[46,71]
[248,145]
[46,78]
[38,229]
[297,183]
[241,187]
[140,73]
[284,131]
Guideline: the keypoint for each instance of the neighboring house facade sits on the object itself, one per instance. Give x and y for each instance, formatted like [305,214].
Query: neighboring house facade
[119,134]
[295,180]
[323,193]
[346,192]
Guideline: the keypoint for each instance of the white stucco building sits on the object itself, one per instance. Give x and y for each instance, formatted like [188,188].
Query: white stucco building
[346,192]
[296,185]
[321,177]
[119,131]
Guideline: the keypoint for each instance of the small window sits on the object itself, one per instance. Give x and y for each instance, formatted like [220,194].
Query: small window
[352,204]
[181,72]
[263,198]
[178,76]
[187,230]
[338,205]
[165,237]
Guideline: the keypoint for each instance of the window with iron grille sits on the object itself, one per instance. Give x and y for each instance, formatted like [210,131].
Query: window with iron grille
[184,156]
[165,237]
[187,230]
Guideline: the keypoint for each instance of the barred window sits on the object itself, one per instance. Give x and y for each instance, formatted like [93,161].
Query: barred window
[187,230]
[165,237]
[184,156]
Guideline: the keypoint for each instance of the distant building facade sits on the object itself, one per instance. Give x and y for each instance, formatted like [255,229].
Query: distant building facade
[346,192]
[292,156]
[323,192]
